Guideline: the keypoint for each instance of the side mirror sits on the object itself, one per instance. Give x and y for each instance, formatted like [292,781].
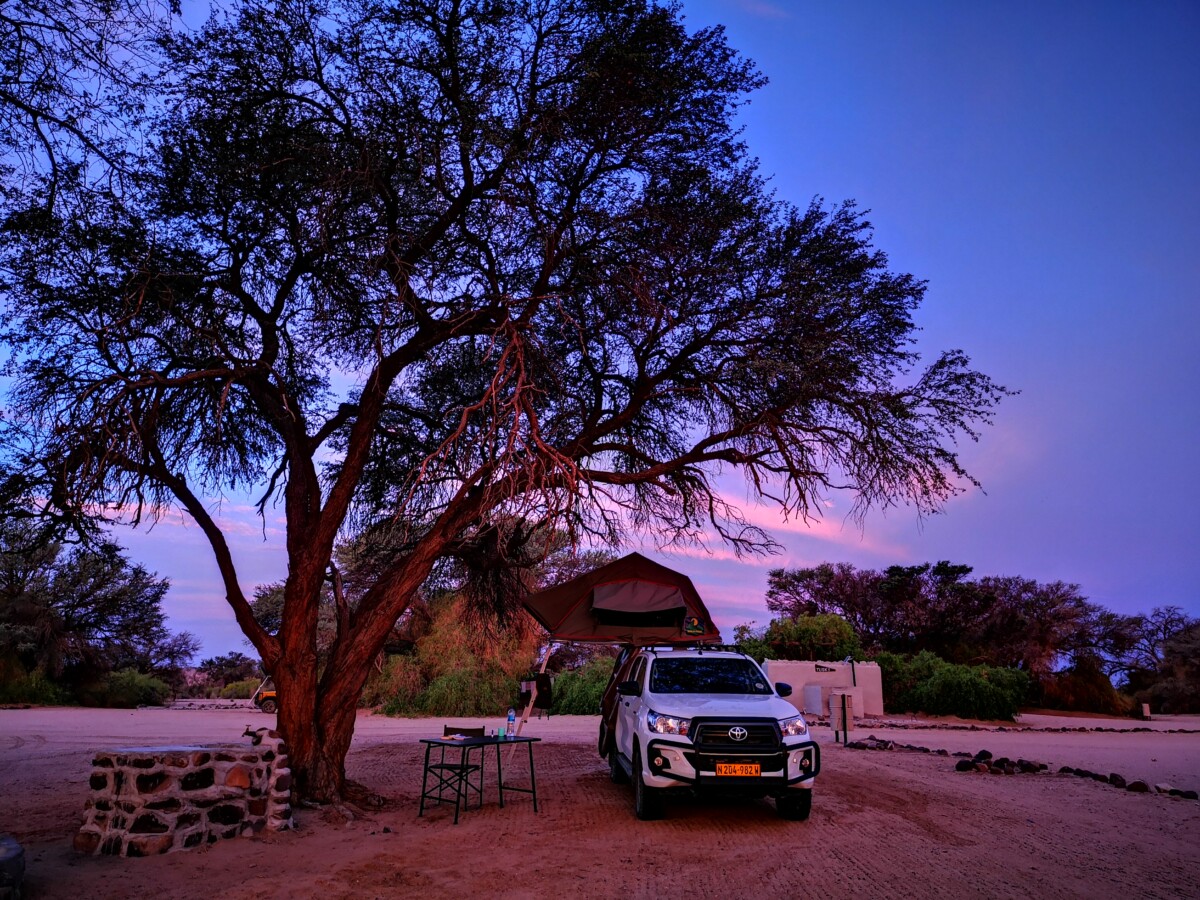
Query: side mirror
[629,689]
[783,689]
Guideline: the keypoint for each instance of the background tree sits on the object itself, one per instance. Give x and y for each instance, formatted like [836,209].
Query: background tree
[75,615]
[998,621]
[530,238]
[1178,688]
[222,670]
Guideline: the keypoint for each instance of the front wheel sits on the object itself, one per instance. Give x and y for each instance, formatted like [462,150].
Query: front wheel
[268,706]
[794,805]
[647,801]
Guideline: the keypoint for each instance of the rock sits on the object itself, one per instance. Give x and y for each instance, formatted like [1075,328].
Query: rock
[964,765]
[149,845]
[983,755]
[1117,781]
[86,842]
[982,767]
[1190,795]
[1138,787]
[1163,788]
[1066,770]
[942,752]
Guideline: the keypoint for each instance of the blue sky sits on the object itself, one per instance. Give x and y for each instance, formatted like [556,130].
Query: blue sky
[1038,163]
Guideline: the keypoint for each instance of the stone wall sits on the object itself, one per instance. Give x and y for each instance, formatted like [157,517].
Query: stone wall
[149,800]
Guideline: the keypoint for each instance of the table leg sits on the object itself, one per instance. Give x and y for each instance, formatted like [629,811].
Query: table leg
[424,780]
[499,777]
[532,777]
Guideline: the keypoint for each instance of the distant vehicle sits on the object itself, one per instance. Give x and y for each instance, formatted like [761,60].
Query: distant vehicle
[705,719]
[265,698]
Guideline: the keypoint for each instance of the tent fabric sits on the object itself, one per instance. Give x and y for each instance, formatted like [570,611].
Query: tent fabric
[637,596]
[632,600]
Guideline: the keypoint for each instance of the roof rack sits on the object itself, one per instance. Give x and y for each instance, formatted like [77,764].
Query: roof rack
[699,647]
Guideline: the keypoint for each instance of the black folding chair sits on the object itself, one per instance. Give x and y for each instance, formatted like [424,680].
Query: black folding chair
[455,778]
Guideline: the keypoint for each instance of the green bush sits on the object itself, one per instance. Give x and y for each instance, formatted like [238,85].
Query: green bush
[578,693]
[33,688]
[750,640]
[962,691]
[824,636]
[926,683]
[485,691]
[125,689]
[240,690]
[396,688]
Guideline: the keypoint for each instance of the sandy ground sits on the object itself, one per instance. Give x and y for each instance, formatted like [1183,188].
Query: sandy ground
[896,824]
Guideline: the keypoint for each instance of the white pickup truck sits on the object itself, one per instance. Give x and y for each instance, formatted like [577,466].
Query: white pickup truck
[704,719]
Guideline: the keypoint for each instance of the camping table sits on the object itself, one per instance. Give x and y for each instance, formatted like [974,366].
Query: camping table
[458,785]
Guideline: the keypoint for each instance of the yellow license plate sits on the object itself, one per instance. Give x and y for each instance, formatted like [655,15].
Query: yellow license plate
[741,770]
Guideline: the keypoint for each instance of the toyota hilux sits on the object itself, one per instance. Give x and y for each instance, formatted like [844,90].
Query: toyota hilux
[704,719]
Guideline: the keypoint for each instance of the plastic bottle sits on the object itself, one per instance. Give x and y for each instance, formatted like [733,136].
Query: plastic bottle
[512,723]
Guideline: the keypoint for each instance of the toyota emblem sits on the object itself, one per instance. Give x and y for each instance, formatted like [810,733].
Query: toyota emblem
[738,733]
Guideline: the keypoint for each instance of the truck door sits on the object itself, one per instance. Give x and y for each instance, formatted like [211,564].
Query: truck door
[628,710]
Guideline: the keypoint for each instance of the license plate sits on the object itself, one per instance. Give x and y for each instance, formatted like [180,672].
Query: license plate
[740,770]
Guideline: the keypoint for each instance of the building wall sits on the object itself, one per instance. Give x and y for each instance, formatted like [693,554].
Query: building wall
[862,680]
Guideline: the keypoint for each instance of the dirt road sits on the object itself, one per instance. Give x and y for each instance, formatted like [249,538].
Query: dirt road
[896,824]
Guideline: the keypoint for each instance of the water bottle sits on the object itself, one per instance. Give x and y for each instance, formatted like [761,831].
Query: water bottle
[512,723]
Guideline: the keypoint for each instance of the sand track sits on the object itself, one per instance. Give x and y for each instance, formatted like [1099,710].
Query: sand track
[899,824]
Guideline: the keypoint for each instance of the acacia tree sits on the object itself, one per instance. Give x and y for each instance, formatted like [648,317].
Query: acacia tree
[75,614]
[470,270]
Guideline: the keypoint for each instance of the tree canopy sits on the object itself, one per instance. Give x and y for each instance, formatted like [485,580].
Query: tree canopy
[465,272]
[1007,621]
[74,615]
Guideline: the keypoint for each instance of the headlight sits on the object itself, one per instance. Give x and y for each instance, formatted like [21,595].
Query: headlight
[793,727]
[661,724]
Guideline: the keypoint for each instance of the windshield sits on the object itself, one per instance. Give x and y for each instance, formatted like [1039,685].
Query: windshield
[699,675]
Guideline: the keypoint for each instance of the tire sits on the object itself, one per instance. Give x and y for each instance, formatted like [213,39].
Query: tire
[268,706]
[647,801]
[616,772]
[794,806]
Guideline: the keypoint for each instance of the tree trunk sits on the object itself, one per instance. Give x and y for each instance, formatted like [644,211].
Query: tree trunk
[317,720]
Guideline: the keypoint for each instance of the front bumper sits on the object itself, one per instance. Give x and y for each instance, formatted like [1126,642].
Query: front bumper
[675,763]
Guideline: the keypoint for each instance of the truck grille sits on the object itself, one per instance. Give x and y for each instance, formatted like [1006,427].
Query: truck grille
[713,736]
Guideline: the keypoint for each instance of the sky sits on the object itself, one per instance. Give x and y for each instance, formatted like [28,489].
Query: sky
[1037,163]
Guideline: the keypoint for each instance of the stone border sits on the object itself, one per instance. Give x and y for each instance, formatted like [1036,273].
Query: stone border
[984,763]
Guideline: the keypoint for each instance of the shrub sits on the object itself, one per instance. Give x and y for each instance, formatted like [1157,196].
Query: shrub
[578,693]
[927,683]
[240,690]
[750,640]
[962,691]
[484,691]
[823,636]
[33,688]
[396,688]
[125,689]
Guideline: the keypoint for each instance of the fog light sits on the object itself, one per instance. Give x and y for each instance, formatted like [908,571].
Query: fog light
[660,762]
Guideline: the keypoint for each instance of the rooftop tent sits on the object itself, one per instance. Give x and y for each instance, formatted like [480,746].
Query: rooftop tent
[632,600]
